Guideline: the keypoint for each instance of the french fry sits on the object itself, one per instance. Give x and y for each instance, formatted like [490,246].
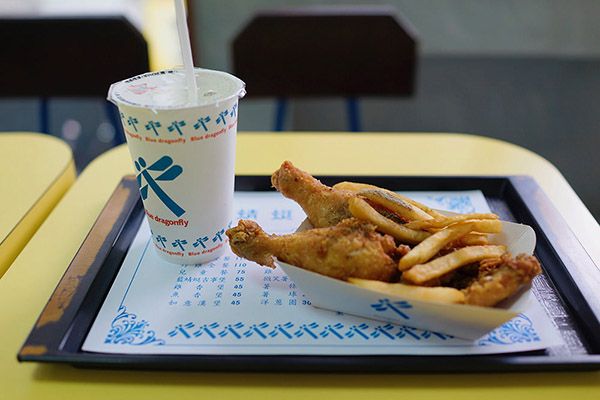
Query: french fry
[429,247]
[360,209]
[357,187]
[486,225]
[436,294]
[448,220]
[422,273]
[395,204]
[471,239]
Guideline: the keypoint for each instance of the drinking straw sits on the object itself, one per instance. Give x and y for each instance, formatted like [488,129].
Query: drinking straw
[186,51]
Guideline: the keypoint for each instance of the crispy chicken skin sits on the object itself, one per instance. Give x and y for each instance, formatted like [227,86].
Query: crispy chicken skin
[350,249]
[323,205]
[500,280]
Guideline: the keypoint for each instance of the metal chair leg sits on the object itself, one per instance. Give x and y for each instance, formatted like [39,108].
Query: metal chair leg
[43,115]
[353,114]
[280,110]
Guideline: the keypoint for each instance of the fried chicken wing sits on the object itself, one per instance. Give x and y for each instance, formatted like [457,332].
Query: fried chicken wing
[500,278]
[323,205]
[350,249]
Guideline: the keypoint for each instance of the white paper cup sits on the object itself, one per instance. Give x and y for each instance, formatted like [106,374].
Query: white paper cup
[184,158]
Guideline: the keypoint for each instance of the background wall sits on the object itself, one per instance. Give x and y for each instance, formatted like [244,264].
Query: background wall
[525,71]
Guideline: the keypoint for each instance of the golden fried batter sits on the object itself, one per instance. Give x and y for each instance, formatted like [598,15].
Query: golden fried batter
[350,249]
[500,278]
[323,205]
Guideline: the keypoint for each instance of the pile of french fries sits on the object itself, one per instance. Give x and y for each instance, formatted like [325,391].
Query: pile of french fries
[440,244]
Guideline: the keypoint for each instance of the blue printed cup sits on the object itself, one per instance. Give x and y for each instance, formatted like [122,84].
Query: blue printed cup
[184,158]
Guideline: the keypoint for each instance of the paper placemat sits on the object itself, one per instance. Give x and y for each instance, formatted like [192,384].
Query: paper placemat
[233,306]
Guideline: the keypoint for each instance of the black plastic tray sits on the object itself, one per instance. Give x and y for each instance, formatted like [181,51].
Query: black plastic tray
[566,290]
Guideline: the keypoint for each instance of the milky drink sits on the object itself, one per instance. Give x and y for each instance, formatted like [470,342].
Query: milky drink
[184,157]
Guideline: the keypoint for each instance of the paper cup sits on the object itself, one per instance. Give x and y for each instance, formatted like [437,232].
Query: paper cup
[184,158]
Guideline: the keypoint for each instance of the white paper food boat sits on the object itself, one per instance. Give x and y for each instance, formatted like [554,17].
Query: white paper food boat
[464,321]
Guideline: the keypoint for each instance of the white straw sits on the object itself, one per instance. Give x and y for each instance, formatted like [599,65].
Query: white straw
[186,51]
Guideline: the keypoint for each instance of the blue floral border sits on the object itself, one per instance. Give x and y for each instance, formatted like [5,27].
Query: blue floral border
[127,329]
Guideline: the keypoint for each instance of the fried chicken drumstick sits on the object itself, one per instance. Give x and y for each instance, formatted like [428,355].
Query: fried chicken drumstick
[501,279]
[350,249]
[323,205]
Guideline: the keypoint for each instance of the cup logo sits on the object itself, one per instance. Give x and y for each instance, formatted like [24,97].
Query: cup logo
[169,173]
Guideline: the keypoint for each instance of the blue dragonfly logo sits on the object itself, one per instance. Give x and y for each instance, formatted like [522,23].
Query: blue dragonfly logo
[257,329]
[207,329]
[182,329]
[176,126]
[152,126]
[171,172]
[383,330]
[282,329]
[333,329]
[132,121]
[232,329]
[179,243]
[396,306]
[308,329]
[218,236]
[161,239]
[406,331]
[357,330]
[222,118]
[202,123]
[200,242]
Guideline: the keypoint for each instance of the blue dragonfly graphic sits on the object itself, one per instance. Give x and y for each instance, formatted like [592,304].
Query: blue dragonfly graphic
[207,329]
[308,329]
[333,329]
[222,118]
[383,330]
[396,306]
[202,123]
[182,329]
[357,330]
[171,172]
[219,236]
[161,239]
[258,329]
[179,243]
[406,331]
[131,121]
[176,126]
[232,329]
[283,329]
[152,125]
[200,242]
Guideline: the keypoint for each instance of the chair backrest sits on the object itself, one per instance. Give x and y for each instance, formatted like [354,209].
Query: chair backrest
[49,57]
[316,51]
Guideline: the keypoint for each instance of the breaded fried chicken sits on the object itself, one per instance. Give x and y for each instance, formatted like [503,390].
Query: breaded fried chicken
[323,205]
[500,279]
[350,249]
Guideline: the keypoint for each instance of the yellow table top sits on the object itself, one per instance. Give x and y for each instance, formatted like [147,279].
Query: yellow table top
[58,239]
[35,171]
